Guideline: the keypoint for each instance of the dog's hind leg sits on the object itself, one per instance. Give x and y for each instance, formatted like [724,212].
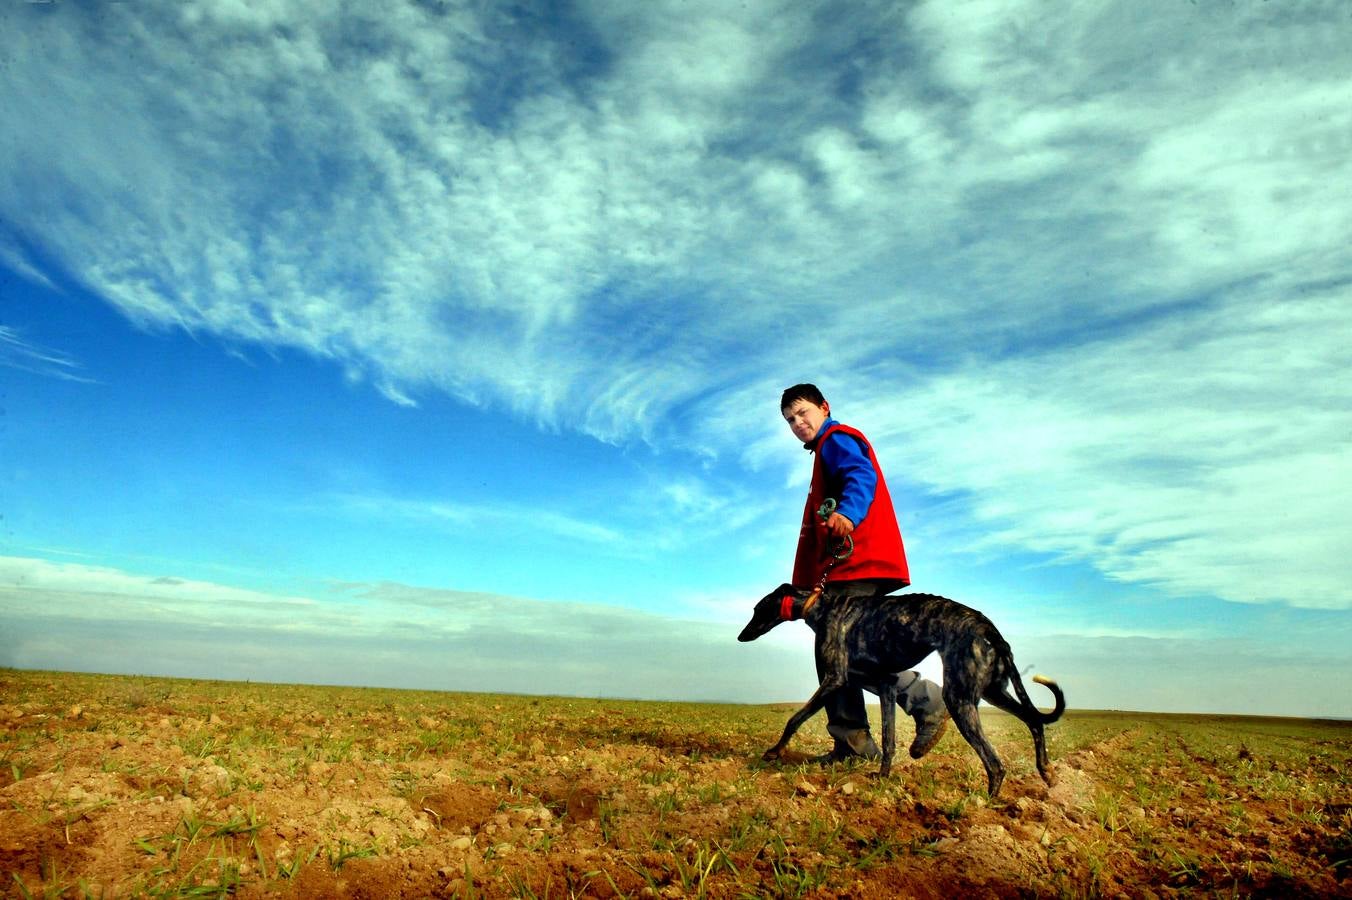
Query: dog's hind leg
[997,696]
[962,707]
[1043,763]
[887,694]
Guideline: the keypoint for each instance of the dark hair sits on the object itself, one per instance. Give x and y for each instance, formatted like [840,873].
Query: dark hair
[798,392]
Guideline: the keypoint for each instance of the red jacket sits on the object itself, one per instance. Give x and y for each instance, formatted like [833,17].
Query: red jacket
[878,551]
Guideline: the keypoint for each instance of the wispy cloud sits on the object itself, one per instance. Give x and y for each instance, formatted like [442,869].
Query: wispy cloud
[18,262]
[446,233]
[649,516]
[1060,247]
[480,515]
[17,353]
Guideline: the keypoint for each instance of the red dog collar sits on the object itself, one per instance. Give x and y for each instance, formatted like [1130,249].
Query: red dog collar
[786,607]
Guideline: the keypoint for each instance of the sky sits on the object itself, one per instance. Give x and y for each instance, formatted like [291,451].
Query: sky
[439,345]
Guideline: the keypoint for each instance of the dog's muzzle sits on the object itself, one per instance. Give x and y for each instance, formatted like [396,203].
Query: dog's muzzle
[770,611]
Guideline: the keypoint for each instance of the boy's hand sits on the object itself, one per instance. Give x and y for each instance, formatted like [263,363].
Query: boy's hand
[839,526]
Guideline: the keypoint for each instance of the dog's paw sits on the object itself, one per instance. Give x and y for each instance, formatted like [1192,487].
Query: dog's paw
[770,755]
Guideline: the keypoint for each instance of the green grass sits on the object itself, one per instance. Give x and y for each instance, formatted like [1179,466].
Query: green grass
[669,796]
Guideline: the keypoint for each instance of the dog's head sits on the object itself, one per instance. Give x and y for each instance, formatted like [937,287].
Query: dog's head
[770,611]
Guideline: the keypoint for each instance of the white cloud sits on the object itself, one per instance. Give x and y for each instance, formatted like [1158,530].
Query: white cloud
[595,228]
[1173,456]
[1180,675]
[38,588]
[1226,188]
[87,618]
[75,617]
[18,353]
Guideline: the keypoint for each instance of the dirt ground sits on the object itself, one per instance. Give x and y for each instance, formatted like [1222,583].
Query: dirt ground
[116,786]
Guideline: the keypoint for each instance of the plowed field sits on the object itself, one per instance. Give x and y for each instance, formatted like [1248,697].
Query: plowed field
[120,786]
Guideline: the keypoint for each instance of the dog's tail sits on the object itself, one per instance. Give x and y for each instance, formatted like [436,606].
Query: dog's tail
[1050,717]
[1046,718]
[1025,708]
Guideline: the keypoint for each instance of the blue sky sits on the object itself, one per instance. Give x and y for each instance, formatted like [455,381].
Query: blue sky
[436,346]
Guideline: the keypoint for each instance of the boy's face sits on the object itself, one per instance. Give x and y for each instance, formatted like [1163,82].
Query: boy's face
[805,418]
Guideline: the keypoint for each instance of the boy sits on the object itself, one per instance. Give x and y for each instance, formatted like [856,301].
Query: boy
[845,469]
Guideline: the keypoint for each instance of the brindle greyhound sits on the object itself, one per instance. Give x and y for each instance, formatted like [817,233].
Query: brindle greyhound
[871,640]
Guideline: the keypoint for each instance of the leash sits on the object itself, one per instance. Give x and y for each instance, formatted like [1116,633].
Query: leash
[844,546]
[842,549]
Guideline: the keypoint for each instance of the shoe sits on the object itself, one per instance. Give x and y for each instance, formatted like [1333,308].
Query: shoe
[929,728]
[859,745]
[837,755]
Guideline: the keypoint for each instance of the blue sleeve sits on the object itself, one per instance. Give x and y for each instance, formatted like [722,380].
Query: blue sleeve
[849,472]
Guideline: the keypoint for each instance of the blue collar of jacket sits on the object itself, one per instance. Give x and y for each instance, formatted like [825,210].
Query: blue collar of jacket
[812,444]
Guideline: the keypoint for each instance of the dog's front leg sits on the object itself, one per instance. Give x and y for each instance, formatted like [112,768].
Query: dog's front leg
[887,694]
[810,709]
[833,670]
